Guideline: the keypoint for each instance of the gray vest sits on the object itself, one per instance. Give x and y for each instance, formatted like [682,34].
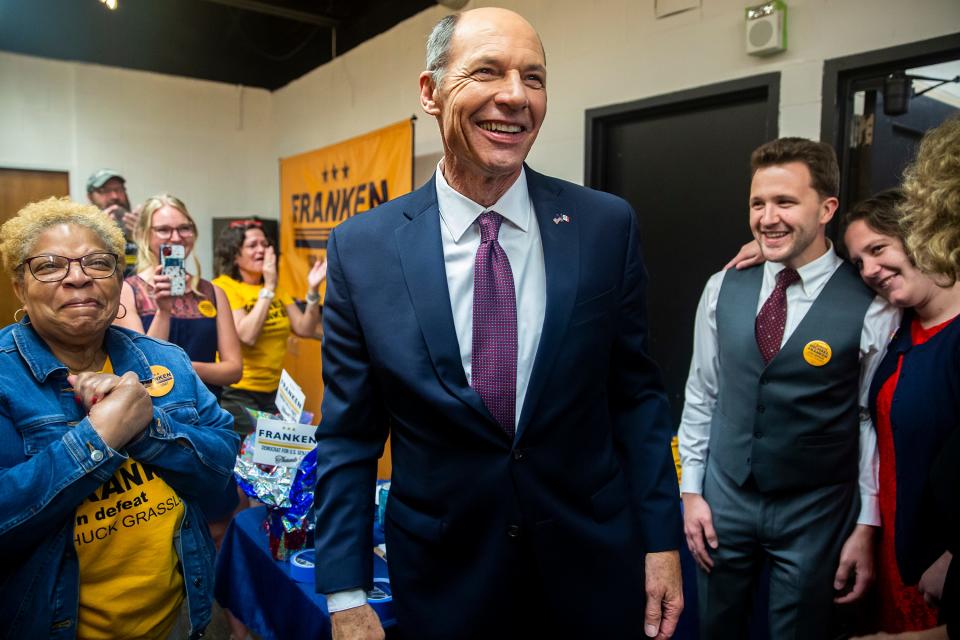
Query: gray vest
[789,424]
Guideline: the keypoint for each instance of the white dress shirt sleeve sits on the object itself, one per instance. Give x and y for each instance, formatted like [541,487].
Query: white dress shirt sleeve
[701,392]
[879,324]
[342,600]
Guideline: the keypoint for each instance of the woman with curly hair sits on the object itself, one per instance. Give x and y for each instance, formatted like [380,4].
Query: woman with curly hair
[264,315]
[932,209]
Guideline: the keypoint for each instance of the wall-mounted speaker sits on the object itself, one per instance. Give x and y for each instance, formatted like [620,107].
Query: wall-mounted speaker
[766,28]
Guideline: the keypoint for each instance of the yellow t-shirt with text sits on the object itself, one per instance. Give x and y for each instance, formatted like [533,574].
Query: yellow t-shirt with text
[130,583]
[263,362]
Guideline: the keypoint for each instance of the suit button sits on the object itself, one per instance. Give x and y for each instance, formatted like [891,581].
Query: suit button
[763,380]
[518,454]
[758,434]
[761,408]
[513,531]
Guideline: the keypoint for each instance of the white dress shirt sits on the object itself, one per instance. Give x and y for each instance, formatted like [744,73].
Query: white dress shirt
[881,320]
[519,236]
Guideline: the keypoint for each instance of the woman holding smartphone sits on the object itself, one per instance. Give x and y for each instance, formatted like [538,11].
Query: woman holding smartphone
[199,320]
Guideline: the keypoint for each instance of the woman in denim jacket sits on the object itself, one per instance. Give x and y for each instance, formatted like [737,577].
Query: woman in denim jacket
[107,439]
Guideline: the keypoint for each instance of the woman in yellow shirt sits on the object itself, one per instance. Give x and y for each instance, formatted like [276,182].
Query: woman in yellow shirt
[263,313]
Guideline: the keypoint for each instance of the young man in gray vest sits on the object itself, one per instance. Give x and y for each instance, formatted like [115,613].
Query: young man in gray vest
[778,452]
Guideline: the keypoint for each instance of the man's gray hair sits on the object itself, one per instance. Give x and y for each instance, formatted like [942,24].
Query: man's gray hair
[438,47]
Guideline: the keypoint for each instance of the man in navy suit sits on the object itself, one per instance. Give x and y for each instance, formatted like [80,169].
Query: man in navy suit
[494,323]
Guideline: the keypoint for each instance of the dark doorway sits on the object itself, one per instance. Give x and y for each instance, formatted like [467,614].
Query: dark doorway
[683,162]
[19,187]
[873,146]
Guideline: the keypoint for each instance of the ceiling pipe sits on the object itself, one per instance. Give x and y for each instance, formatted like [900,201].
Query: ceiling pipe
[280,12]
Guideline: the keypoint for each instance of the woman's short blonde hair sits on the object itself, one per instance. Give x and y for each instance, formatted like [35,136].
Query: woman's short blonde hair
[932,208]
[20,233]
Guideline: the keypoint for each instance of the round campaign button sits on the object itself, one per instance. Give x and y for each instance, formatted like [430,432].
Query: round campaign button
[817,353]
[162,381]
[206,309]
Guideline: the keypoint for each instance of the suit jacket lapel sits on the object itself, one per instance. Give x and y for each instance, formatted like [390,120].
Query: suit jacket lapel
[561,257]
[421,258]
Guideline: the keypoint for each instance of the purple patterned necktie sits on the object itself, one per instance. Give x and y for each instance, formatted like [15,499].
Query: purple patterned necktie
[494,358]
[772,318]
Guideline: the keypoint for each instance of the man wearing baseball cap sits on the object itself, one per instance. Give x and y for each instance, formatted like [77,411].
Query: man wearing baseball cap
[107,190]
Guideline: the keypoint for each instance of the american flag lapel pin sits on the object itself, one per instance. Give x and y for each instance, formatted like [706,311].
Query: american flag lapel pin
[561,217]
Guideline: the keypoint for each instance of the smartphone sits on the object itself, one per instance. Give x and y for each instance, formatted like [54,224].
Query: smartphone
[171,263]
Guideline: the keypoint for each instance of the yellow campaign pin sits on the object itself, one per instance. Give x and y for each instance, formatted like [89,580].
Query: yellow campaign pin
[207,309]
[817,353]
[162,381]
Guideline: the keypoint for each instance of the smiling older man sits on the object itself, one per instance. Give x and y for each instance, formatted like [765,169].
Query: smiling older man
[494,322]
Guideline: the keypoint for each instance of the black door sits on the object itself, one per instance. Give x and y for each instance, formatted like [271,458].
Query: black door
[683,162]
[875,134]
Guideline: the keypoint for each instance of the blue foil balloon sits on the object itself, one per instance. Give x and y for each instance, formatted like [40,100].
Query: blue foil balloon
[301,492]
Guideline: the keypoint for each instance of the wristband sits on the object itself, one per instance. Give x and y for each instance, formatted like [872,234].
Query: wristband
[313,298]
[266,293]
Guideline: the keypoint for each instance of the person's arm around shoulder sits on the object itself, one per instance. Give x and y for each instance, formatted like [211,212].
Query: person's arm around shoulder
[748,256]
[304,323]
[229,368]
[640,418]
[131,319]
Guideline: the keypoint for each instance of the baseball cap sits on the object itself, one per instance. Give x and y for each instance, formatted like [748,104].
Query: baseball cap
[101,178]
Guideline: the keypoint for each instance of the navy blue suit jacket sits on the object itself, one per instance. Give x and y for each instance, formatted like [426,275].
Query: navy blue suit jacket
[477,523]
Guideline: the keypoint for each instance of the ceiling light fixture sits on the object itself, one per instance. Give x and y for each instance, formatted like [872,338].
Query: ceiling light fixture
[109,4]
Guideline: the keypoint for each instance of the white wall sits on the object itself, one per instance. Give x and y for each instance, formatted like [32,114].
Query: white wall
[216,145]
[602,52]
[205,142]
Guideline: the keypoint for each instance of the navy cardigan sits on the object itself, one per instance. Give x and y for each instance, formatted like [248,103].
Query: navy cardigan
[924,413]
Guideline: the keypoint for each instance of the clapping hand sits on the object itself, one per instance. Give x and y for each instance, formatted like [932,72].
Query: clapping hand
[316,275]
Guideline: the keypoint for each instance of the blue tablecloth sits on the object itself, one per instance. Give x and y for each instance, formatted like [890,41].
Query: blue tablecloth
[259,591]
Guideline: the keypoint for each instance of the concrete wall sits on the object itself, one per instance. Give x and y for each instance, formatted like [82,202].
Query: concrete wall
[216,145]
[205,142]
[602,52]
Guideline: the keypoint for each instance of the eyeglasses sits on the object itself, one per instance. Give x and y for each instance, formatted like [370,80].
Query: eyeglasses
[107,190]
[51,268]
[185,231]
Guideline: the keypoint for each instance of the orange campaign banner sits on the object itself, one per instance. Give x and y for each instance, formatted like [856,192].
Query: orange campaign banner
[319,190]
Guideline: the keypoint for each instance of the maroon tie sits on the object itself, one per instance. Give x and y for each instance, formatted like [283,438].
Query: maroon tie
[773,316]
[493,360]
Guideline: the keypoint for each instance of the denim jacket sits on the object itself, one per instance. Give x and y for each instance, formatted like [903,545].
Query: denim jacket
[51,459]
